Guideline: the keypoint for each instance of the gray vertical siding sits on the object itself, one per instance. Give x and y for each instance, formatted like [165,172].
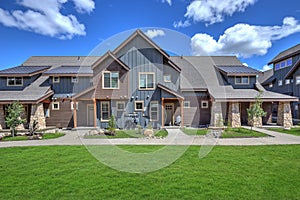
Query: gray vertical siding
[66,86]
[27,80]
[251,85]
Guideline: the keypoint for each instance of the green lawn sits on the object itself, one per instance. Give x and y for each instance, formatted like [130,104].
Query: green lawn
[161,133]
[70,172]
[194,131]
[293,131]
[23,137]
[241,133]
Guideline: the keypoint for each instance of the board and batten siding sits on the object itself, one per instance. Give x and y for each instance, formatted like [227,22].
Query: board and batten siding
[27,80]
[65,85]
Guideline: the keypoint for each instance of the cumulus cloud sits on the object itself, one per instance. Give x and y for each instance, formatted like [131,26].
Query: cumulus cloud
[181,24]
[266,68]
[213,11]
[243,40]
[154,33]
[167,1]
[44,17]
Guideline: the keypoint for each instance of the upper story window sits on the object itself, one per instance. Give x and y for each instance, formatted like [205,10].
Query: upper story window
[55,79]
[120,105]
[139,105]
[55,105]
[239,80]
[279,82]
[204,104]
[297,80]
[167,78]
[110,80]
[283,64]
[186,104]
[287,81]
[14,81]
[74,79]
[146,81]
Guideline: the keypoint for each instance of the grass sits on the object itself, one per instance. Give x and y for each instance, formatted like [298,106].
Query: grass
[227,172]
[194,131]
[161,133]
[241,133]
[293,131]
[23,137]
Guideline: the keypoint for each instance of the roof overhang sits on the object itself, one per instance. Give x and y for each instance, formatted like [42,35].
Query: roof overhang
[293,69]
[110,54]
[170,91]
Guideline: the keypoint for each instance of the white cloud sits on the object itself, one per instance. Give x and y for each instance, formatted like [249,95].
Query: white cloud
[44,17]
[243,40]
[213,11]
[167,1]
[154,33]
[181,24]
[266,68]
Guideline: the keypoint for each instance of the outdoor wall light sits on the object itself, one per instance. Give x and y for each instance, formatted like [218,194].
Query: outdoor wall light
[147,97]
[136,97]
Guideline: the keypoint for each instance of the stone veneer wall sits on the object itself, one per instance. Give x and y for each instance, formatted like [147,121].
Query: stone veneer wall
[37,114]
[257,122]
[234,116]
[284,115]
[2,117]
[216,115]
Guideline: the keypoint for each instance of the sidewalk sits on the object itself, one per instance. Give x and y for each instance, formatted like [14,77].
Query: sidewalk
[175,137]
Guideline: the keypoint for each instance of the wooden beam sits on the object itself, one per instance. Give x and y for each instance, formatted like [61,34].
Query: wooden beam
[162,113]
[95,113]
[75,114]
[181,112]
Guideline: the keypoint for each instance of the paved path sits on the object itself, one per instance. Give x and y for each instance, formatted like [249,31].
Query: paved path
[175,137]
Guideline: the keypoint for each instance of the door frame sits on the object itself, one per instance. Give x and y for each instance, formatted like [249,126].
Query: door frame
[87,114]
[172,118]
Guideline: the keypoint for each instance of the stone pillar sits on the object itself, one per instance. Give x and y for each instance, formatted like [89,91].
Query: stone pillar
[2,117]
[284,115]
[234,115]
[37,114]
[216,115]
[257,121]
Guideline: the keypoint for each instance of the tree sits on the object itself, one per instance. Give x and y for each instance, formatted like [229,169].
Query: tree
[255,111]
[14,117]
[112,125]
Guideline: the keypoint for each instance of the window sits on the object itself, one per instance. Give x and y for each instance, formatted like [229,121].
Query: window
[241,80]
[55,105]
[277,66]
[270,85]
[279,82]
[72,105]
[105,112]
[287,81]
[139,105]
[110,80]
[186,104]
[167,78]
[74,79]
[204,104]
[14,81]
[120,105]
[297,80]
[283,64]
[289,62]
[55,79]
[153,111]
[146,81]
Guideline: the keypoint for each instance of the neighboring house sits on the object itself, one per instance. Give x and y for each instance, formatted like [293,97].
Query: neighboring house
[140,84]
[284,77]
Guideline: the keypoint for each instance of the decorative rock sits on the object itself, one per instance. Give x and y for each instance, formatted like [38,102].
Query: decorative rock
[37,114]
[93,132]
[101,131]
[284,115]
[149,133]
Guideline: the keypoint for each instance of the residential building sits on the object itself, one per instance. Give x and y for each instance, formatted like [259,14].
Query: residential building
[284,77]
[140,84]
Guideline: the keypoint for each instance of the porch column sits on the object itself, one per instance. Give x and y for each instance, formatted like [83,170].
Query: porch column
[257,121]
[234,116]
[284,115]
[2,117]
[162,112]
[95,113]
[75,114]
[181,112]
[38,115]
[216,115]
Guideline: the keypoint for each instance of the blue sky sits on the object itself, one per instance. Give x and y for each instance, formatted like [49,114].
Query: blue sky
[254,30]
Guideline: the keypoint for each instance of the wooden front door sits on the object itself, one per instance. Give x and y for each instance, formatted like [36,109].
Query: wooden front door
[169,113]
[90,115]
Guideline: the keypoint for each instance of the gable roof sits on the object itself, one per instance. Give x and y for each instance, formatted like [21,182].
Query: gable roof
[70,71]
[265,75]
[237,70]
[23,70]
[138,32]
[286,54]
[110,54]
[170,91]
[293,69]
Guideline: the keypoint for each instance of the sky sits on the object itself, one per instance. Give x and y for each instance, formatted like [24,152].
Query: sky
[253,30]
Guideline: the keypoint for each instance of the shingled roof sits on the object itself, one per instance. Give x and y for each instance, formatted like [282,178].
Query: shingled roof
[286,54]
[23,70]
[237,69]
[70,70]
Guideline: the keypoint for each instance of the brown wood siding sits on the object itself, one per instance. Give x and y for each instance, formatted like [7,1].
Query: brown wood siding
[82,112]
[61,118]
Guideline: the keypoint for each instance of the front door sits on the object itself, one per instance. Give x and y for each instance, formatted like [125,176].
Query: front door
[90,115]
[169,112]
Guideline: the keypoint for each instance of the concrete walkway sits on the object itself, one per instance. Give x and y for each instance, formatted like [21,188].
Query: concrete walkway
[175,137]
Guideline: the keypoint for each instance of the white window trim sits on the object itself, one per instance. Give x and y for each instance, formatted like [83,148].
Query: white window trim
[279,82]
[146,73]
[151,111]
[76,80]
[241,83]
[138,110]
[120,102]
[202,104]
[14,81]
[101,112]
[55,103]
[167,81]
[188,102]
[72,105]
[53,79]
[110,88]
[287,81]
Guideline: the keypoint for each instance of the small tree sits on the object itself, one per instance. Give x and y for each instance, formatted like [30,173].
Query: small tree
[112,125]
[14,117]
[255,111]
